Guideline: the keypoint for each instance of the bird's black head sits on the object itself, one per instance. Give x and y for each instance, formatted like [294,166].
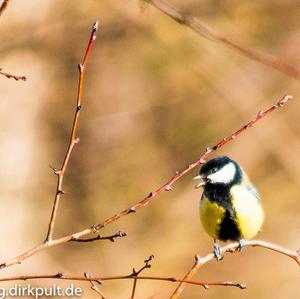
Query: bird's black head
[221,170]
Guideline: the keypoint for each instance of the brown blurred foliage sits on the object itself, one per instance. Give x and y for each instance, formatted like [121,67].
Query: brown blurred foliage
[155,96]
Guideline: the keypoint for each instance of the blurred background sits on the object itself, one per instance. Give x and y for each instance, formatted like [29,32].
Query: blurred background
[155,96]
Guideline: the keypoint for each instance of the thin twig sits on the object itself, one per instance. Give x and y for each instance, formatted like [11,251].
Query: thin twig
[144,202]
[147,264]
[94,287]
[9,76]
[73,139]
[111,238]
[190,273]
[208,33]
[61,276]
[232,247]
[3,5]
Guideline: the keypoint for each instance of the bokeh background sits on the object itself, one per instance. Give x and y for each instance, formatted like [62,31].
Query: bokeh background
[155,96]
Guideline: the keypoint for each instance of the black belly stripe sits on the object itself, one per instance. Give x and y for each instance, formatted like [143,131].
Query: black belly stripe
[229,229]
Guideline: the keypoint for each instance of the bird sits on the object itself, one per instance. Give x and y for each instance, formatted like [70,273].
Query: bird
[230,206]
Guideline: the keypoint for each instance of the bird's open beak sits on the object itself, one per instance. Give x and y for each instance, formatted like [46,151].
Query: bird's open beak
[202,182]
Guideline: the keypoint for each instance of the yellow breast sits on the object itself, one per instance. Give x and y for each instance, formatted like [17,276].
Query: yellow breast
[248,210]
[211,215]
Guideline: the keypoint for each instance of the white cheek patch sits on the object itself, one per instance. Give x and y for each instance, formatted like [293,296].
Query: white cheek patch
[224,175]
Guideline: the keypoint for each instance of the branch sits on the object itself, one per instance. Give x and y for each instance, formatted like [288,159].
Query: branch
[93,285]
[232,247]
[3,5]
[144,202]
[73,139]
[61,276]
[213,35]
[147,264]
[9,76]
[111,238]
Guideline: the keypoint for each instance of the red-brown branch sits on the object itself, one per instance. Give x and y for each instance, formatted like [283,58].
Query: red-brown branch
[94,287]
[232,247]
[144,202]
[73,139]
[62,276]
[208,33]
[9,76]
[112,238]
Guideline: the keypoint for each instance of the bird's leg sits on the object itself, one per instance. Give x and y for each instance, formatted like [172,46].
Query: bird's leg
[217,251]
[241,244]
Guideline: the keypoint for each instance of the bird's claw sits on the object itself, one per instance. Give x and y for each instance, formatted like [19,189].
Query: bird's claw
[241,245]
[217,252]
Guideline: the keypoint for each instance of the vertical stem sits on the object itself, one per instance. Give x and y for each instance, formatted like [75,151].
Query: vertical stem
[73,139]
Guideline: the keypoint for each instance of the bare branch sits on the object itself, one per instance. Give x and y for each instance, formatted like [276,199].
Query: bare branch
[9,76]
[62,276]
[232,247]
[111,238]
[211,34]
[147,264]
[73,139]
[144,202]
[3,5]
[94,286]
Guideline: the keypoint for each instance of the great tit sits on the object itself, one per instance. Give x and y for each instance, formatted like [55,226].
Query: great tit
[230,206]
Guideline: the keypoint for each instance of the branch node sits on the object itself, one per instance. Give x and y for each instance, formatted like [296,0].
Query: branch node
[95,229]
[131,210]
[55,170]
[197,258]
[59,275]
[169,188]
[95,26]
[80,67]
[60,191]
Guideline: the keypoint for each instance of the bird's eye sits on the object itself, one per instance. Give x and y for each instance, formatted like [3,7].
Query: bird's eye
[214,170]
